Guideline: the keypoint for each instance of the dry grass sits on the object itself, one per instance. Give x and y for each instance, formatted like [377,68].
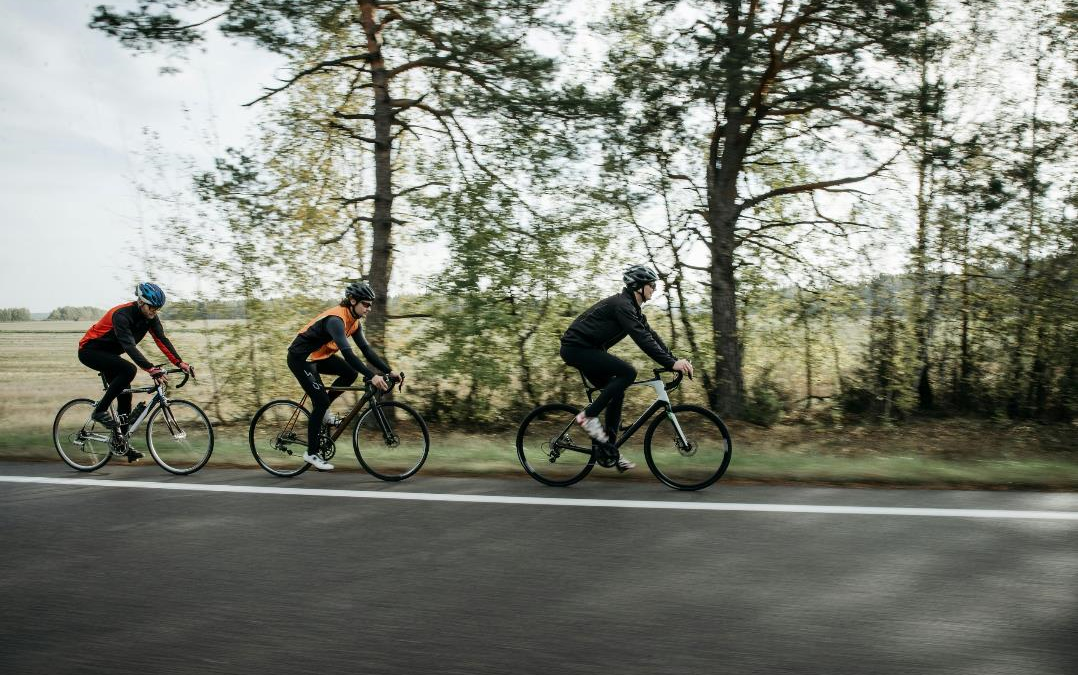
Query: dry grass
[39,371]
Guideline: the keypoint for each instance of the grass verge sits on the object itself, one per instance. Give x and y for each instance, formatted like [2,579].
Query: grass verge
[759,457]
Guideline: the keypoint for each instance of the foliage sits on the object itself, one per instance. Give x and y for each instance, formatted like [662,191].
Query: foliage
[14,314]
[69,313]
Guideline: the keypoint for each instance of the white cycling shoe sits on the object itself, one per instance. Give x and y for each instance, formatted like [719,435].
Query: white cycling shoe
[317,462]
[592,427]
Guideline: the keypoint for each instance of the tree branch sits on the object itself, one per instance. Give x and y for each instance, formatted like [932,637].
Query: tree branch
[810,187]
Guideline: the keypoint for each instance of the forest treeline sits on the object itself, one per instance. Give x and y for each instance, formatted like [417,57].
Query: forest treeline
[856,207]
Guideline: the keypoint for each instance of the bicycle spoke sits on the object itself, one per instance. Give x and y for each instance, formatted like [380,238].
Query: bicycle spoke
[81,443]
[551,448]
[691,453]
[278,438]
[391,442]
[179,437]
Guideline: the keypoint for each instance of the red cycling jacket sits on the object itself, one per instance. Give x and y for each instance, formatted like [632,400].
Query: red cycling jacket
[122,328]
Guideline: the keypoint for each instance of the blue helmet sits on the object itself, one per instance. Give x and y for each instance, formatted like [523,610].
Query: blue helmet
[151,294]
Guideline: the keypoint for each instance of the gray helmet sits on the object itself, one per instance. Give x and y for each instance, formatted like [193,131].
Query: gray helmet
[360,290]
[637,276]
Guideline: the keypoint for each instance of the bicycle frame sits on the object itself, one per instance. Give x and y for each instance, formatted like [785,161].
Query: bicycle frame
[160,398]
[370,394]
[662,402]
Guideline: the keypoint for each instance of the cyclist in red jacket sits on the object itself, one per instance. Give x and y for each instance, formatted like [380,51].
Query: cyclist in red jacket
[119,331]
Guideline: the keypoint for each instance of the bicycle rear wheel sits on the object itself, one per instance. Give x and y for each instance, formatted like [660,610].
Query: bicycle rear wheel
[552,448]
[278,437]
[180,437]
[396,450]
[700,460]
[83,444]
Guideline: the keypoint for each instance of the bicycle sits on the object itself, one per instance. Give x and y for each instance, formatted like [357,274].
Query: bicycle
[178,434]
[390,439]
[687,448]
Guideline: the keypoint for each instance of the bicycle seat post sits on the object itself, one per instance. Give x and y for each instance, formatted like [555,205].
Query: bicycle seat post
[588,389]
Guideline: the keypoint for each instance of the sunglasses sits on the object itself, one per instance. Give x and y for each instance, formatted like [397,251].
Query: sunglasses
[366,303]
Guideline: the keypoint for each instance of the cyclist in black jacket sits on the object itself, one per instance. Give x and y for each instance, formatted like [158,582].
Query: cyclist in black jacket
[584,346]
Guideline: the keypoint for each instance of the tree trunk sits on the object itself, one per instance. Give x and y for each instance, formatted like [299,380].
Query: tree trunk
[382,217]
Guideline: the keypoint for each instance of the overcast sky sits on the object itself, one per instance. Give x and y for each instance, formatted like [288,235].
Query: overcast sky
[74,104]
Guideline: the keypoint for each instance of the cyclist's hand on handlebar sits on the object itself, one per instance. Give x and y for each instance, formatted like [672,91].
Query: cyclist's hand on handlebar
[158,374]
[683,366]
[186,367]
[380,382]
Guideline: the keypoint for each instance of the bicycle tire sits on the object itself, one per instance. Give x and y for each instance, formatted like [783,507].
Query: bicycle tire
[691,468]
[271,450]
[68,431]
[400,454]
[186,448]
[547,425]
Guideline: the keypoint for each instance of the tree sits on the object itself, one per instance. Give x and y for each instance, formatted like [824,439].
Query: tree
[750,87]
[14,314]
[401,69]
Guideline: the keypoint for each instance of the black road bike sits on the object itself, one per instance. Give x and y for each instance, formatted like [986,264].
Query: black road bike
[390,438]
[178,434]
[687,446]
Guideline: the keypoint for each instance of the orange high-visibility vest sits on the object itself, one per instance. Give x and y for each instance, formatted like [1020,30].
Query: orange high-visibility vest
[351,325]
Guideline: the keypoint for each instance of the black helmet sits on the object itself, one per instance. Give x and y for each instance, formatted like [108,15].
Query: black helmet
[360,290]
[637,276]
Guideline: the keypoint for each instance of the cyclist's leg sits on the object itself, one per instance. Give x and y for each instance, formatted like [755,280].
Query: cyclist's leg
[335,365]
[607,371]
[308,378]
[119,373]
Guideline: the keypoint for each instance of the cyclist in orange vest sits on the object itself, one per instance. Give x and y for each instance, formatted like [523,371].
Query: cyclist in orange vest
[319,341]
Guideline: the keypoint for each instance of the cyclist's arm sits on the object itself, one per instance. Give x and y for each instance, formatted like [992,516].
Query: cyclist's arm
[656,335]
[637,328]
[121,326]
[335,326]
[368,351]
[157,330]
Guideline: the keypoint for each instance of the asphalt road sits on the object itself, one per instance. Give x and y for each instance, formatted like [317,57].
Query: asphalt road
[106,579]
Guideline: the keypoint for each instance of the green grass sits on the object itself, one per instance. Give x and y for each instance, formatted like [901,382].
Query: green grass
[459,454]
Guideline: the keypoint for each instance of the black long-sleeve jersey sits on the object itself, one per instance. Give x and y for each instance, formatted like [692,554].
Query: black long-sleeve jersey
[608,321]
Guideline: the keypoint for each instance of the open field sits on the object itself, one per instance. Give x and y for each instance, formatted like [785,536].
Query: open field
[39,371]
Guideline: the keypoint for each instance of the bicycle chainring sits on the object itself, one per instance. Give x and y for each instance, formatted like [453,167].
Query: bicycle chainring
[606,455]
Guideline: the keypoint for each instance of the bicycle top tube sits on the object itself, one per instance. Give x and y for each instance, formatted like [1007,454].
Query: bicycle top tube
[669,386]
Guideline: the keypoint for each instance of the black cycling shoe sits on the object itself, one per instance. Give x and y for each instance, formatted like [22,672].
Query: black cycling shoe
[133,456]
[104,418]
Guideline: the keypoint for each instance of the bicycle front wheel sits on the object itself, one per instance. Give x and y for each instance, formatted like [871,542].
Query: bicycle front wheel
[82,443]
[694,459]
[278,438]
[552,448]
[180,437]
[391,441]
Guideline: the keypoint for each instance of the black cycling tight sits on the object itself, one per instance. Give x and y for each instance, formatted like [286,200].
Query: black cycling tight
[307,374]
[119,373]
[607,371]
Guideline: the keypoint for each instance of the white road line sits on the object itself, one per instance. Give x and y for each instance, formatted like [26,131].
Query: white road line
[554,501]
